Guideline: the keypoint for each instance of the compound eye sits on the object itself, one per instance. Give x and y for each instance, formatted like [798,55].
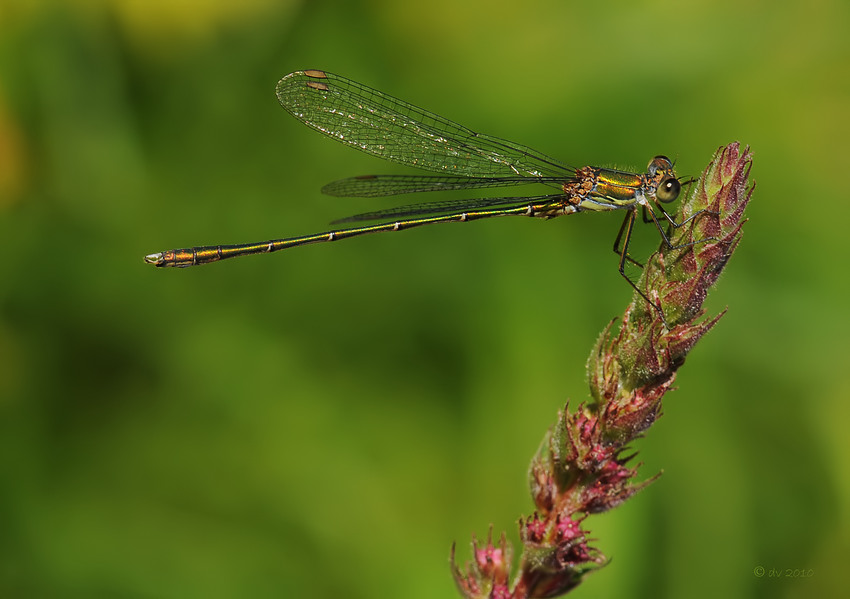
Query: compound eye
[659,163]
[668,190]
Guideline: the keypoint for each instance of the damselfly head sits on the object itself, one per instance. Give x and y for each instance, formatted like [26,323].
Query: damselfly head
[660,168]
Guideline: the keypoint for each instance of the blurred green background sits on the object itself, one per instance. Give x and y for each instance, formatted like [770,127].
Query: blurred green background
[325,422]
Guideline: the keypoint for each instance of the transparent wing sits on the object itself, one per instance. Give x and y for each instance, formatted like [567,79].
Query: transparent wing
[370,186]
[424,208]
[394,130]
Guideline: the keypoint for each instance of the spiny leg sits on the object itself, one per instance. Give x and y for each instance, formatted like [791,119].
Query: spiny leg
[628,226]
[629,215]
[676,225]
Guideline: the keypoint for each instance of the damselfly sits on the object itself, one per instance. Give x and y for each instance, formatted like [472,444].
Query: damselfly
[384,126]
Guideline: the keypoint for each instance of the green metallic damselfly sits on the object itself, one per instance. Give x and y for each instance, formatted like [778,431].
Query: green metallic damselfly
[379,124]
